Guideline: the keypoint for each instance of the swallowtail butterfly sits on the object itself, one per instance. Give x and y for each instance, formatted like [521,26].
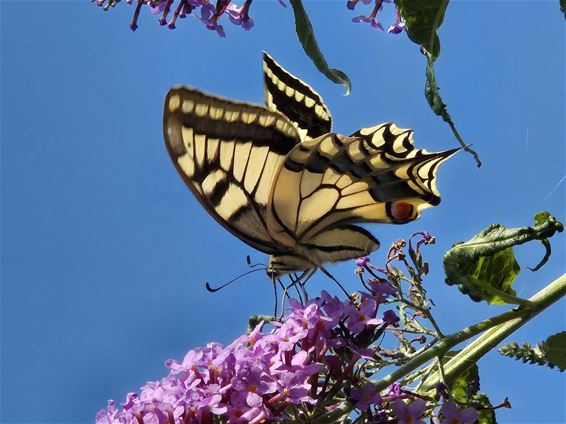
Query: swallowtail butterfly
[280,180]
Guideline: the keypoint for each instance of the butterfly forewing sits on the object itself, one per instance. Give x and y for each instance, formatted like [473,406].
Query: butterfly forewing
[227,153]
[295,99]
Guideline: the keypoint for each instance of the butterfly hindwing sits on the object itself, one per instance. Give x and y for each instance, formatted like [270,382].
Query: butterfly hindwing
[295,99]
[227,153]
[375,175]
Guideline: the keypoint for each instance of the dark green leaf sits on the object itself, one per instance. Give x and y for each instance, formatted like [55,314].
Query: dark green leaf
[466,385]
[465,391]
[485,267]
[484,409]
[423,18]
[306,37]
[555,349]
[432,94]
[563,7]
[546,256]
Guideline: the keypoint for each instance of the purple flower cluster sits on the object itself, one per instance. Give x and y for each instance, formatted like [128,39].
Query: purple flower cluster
[312,365]
[396,28]
[261,374]
[203,10]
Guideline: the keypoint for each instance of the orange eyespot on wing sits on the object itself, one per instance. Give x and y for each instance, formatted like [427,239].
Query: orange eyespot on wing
[400,212]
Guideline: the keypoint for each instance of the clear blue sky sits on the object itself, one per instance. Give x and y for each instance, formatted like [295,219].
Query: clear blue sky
[105,251]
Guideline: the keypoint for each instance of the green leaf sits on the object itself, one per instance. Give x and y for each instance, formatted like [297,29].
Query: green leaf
[432,94]
[550,353]
[563,7]
[465,391]
[485,267]
[306,37]
[484,408]
[467,384]
[555,349]
[422,19]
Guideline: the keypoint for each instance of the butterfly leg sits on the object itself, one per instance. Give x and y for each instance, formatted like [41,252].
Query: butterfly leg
[304,278]
[298,284]
[274,295]
[285,294]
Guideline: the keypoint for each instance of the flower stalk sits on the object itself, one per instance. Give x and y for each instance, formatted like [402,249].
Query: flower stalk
[499,332]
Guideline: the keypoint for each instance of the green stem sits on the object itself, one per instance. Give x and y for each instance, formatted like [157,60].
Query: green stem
[499,328]
[491,338]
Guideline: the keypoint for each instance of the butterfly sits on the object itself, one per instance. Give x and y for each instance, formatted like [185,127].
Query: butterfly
[278,178]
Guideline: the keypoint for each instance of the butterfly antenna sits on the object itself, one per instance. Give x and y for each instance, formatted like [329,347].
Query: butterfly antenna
[329,275]
[215,289]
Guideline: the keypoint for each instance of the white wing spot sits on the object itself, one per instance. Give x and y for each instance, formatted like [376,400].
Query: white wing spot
[201,109]
[174,102]
[188,106]
[216,112]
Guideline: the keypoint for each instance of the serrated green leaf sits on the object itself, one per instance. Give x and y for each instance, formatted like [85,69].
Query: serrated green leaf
[306,36]
[485,267]
[550,353]
[555,349]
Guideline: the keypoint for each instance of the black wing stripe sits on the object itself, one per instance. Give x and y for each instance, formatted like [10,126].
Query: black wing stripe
[295,99]
[297,112]
[240,131]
